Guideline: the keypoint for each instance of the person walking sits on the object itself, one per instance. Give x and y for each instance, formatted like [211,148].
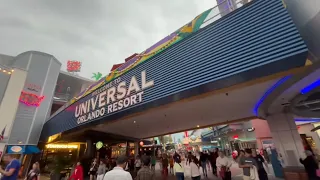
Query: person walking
[311,165]
[213,161]
[77,173]
[178,169]
[138,163]
[145,173]
[195,169]
[171,162]
[223,166]
[102,169]
[165,164]
[260,161]
[203,161]
[12,169]
[118,172]
[153,163]
[34,173]
[93,169]
[241,156]
[249,166]
[207,154]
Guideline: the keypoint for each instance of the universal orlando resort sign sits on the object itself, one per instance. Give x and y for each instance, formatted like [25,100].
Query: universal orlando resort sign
[112,97]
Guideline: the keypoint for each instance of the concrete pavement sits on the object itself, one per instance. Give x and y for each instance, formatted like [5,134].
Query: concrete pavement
[236,173]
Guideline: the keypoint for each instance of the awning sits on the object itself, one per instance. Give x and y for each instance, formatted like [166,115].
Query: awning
[32,150]
[18,149]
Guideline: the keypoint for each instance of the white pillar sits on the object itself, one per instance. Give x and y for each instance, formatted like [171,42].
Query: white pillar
[286,138]
[136,149]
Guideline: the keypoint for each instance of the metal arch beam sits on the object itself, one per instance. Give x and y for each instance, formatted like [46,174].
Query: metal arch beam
[304,113]
[296,76]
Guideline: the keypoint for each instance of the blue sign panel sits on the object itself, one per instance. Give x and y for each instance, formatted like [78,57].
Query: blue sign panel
[15,149]
[236,48]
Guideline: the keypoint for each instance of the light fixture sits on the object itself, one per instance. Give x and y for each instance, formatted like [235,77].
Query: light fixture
[134,121]
[4,70]
[12,70]
[268,92]
[9,72]
[198,126]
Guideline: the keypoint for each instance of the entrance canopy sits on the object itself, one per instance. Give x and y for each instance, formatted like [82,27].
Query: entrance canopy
[197,77]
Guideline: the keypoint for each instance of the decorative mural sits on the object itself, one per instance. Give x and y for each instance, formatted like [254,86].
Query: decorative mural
[160,46]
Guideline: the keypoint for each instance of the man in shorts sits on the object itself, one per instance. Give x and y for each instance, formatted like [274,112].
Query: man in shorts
[247,163]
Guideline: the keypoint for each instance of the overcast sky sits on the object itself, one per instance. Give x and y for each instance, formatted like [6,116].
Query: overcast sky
[99,33]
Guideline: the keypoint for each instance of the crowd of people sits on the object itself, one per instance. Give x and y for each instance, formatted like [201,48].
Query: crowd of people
[252,163]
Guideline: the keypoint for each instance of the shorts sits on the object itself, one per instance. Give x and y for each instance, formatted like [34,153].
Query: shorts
[100,177]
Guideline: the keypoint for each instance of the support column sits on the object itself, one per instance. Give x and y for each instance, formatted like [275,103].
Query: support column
[286,139]
[136,149]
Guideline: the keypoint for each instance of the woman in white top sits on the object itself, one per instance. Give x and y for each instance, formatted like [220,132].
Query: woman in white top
[138,163]
[195,169]
[223,166]
[178,169]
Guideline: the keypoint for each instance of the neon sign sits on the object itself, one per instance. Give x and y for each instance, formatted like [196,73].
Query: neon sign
[61,146]
[30,99]
[73,66]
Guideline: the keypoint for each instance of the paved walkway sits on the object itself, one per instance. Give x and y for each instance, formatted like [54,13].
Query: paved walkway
[235,171]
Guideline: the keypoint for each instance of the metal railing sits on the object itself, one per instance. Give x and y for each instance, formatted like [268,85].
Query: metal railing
[61,97]
[223,8]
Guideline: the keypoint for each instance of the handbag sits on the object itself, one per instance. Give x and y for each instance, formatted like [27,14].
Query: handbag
[318,172]
[222,172]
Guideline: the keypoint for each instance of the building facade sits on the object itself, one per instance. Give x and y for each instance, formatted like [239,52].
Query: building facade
[30,93]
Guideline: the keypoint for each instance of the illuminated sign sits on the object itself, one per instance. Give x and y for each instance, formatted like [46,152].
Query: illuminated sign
[113,97]
[73,66]
[235,137]
[62,146]
[30,99]
[99,145]
[16,149]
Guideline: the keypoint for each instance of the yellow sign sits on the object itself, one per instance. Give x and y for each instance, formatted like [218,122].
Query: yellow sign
[62,146]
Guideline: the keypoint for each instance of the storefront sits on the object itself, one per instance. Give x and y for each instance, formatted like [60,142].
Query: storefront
[61,154]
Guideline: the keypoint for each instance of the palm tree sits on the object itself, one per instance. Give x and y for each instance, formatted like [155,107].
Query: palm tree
[97,76]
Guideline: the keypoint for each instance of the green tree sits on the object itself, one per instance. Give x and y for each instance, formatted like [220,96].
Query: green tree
[97,76]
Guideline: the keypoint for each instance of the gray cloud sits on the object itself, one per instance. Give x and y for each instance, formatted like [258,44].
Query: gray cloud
[99,33]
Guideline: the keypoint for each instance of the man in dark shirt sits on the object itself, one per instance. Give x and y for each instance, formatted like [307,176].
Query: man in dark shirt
[246,163]
[213,160]
[12,170]
[145,173]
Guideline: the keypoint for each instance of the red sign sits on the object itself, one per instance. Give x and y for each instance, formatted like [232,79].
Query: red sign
[235,137]
[30,99]
[73,66]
